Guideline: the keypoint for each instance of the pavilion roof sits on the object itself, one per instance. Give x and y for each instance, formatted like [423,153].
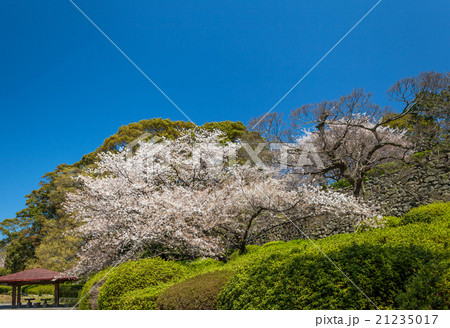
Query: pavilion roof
[36,275]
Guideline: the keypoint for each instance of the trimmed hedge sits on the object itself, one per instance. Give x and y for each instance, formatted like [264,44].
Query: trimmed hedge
[143,299]
[39,289]
[67,290]
[136,275]
[427,213]
[299,281]
[382,262]
[428,289]
[5,290]
[198,293]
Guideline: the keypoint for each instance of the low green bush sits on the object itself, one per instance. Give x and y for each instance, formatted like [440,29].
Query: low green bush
[279,276]
[39,289]
[70,290]
[341,184]
[427,289]
[299,281]
[135,275]
[427,213]
[92,284]
[66,290]
[142,299]
[198,293]
[5,290]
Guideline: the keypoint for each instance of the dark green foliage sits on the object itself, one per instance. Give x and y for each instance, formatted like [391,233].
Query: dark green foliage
[20,250]
[382,262]
[167,129]
[4,272]
[39,290]
[198,293]
[135,275]
[428,289]
[385,168]
[5,290]
[29,228]
[67,290]
[300,281]
[341,184]
[392,221]
[427,123]
[233,130]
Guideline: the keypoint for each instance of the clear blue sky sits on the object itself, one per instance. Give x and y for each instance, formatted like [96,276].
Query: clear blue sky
[64,88]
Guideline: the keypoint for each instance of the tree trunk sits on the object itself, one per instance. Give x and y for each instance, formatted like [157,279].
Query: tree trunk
[243,243]
[358,187]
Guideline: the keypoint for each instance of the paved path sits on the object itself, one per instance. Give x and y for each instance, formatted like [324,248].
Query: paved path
[6,306]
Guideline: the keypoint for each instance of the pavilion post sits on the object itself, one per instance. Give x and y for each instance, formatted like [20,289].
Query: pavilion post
[19,292]
[13,296]
[56,294]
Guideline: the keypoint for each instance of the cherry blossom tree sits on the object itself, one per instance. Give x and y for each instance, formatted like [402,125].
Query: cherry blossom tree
[351,135]
[352,146]
[191,196]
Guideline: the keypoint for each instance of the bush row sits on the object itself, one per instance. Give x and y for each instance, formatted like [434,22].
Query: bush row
[137,275]
[67,290]
[402,267]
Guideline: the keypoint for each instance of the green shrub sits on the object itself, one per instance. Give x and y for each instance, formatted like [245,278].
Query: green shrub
[142,299]
[263,280]
[427,213]
[202,265]
[145,299]
[70,290]
[392,221]
[136,275]
[198,293]
[90,287]
[298,281]
[39,289]
[5,290]
[385,168]
[428,289]
[66,290]
[341,184]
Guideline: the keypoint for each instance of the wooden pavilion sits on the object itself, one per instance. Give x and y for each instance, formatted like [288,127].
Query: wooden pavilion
[35,276]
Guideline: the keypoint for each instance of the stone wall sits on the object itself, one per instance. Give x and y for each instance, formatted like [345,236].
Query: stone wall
[314,228]
[395,188]
[421,182]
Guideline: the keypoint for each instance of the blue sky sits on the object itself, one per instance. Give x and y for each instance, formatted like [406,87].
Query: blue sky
[64,88]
